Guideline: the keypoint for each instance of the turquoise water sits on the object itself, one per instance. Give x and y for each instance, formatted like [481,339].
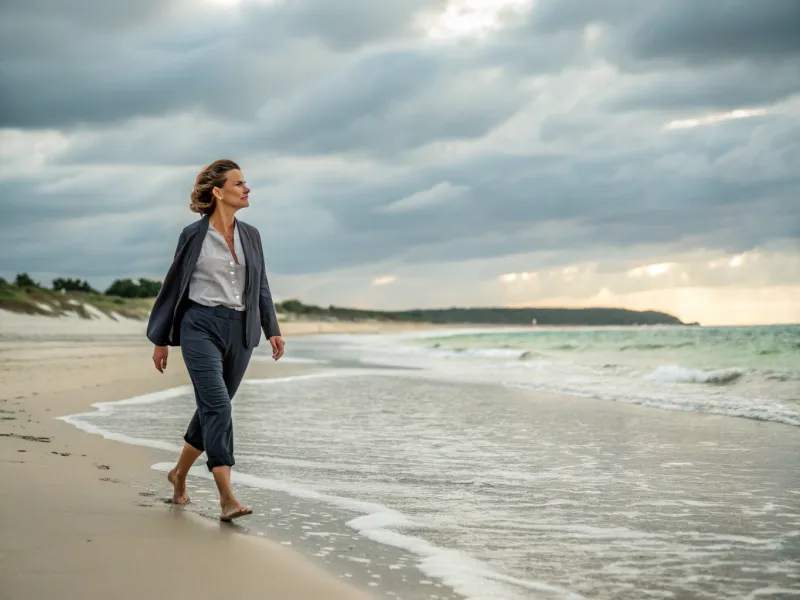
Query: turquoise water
[751,372]
[769,349]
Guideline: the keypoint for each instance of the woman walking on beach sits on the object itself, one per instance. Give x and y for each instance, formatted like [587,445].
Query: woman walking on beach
[214,303]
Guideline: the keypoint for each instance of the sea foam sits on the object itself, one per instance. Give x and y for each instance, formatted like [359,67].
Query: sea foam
[679,374]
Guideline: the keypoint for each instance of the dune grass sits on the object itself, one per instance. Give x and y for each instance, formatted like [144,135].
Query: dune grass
[41,301]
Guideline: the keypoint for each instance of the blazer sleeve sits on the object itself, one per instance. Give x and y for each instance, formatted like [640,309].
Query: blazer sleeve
[160,322]
[269,320]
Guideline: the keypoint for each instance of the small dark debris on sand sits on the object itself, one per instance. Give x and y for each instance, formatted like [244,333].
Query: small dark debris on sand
[147,494]
[27,438]
[103,467]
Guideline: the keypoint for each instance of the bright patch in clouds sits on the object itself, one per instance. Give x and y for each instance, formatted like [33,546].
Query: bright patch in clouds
[734,261]
[743,113]
[386,280]
[523,276]
[26,151]
[474,18]
[651,270]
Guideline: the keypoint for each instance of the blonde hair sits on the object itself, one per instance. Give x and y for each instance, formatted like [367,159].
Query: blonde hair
[214,175]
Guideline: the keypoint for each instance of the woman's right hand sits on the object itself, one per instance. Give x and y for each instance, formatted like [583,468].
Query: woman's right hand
[160,357]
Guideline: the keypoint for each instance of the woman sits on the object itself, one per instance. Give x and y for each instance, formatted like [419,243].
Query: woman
[214,302]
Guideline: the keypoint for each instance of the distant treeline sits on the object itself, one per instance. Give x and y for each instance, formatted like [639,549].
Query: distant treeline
[146,288]
[123,288]
[489,316]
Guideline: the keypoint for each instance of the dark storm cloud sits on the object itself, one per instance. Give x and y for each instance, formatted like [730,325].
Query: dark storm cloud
[717,54]
[89,63]
[720,89]
[92,14]
[691,31]
[389,102]
[108,79]
[683,30]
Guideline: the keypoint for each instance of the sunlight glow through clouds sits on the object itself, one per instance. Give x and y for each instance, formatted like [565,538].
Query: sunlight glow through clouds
[734,261]
[386,280]
[742,113]
[474,18]
[524,276]
[651,270]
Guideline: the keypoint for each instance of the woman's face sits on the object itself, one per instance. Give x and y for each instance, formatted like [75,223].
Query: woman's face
[235,192]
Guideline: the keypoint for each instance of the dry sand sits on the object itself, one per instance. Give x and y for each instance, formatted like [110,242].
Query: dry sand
[83,517]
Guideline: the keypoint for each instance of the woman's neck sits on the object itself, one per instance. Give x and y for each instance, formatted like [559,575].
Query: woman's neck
[222,219]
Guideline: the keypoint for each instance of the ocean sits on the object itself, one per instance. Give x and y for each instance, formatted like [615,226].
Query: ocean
[624,463]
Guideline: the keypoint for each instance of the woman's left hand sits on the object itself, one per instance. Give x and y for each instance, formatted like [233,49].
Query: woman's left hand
[277,346]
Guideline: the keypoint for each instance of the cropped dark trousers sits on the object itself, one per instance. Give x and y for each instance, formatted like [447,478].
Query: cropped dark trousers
[212,344]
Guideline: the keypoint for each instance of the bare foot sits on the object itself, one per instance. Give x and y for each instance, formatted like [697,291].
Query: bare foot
[234,510]
[179,495]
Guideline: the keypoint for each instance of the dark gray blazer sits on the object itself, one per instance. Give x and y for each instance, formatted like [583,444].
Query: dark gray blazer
[164,327]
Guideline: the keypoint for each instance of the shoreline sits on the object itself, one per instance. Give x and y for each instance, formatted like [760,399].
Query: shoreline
[98,504]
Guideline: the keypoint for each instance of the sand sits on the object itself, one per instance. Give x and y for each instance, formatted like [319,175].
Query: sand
[84,517]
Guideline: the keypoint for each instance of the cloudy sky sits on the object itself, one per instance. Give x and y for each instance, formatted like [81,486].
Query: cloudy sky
[419,153]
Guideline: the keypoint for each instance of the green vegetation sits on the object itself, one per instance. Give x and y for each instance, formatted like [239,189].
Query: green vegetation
[32,298]
[72,285]
[23,280]
[128,288]
[486,316]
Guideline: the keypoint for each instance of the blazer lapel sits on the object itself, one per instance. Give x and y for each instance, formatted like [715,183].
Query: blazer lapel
[191,256]
[249,256]
[202,230]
